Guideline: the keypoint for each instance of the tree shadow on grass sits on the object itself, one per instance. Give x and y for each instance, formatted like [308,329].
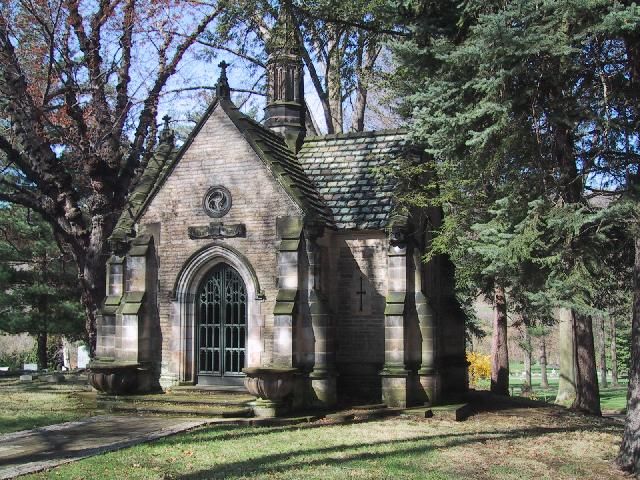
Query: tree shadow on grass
[346,454]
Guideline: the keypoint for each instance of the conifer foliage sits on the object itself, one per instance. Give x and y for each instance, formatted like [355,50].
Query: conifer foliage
[39,292]
[534,104]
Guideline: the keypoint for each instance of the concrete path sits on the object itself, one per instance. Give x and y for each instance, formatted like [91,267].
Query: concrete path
[34,450]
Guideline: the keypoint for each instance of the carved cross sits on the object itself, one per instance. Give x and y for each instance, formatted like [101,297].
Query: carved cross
[362,293]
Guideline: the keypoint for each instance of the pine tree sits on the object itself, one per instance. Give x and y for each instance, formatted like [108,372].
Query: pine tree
[39,291]
[537,99]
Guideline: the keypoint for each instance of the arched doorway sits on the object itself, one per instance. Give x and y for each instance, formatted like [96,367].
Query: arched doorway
[221,310]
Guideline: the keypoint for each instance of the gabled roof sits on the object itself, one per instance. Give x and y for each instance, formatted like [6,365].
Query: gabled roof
[269,147]
[282,162]
[346,170]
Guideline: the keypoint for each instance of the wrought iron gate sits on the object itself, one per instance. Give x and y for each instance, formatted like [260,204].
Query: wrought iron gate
[222,324]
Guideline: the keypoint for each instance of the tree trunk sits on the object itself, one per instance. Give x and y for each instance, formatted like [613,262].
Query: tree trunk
[91,263]
[526,348]
[603,353]
[43,357]
[587,391]
[334,80]
[614,353]
[357,116]
[567,379]
[629,456]
[544,380]
[499,349]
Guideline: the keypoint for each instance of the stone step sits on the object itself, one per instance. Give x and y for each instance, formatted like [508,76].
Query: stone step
[180,410]
[182,399]
[207,390]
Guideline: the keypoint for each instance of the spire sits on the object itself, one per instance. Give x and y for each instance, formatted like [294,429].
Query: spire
[285,110]
[284,38]
[222,87]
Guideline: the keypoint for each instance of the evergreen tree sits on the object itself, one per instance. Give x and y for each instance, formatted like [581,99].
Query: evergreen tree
[537,99]
[39,291]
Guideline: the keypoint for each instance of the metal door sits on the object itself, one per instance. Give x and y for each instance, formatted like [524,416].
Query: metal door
[222,325]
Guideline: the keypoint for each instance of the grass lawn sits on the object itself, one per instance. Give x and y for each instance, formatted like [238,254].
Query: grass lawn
[611,399]
[517,443]
[26,406]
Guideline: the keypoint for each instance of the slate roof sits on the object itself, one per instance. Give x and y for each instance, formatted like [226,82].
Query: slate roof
[346,170]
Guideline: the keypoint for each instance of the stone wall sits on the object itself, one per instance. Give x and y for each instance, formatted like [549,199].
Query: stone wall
[354,273]
[219,155]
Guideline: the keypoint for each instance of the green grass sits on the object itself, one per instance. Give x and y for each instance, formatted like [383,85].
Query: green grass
[614,398]
[522,444]
[611,399]
[27,406]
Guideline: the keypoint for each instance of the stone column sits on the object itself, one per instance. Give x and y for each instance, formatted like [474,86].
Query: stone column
[323,378]
[398,383]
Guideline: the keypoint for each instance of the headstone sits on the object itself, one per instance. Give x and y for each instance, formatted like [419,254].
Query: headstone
[26,378]
[66,355]
[30,367]
[83,356]
[4,369]
[55,378]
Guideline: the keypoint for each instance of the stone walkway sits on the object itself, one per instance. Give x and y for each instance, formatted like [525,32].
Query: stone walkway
[35,450]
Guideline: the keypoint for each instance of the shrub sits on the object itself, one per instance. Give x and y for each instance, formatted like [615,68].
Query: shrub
[16,350]
[479,367]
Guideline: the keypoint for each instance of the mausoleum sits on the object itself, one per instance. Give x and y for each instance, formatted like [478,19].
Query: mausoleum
[268,245]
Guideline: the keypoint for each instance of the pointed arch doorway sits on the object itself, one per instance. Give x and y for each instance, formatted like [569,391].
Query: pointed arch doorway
[221,309]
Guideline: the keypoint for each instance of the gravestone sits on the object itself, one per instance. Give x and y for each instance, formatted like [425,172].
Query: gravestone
[83,356]
[30,367]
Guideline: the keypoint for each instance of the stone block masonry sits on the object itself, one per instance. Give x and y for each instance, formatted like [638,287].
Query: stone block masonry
[219,155]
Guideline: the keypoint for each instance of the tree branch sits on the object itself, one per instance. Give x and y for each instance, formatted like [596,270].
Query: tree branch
[151,102]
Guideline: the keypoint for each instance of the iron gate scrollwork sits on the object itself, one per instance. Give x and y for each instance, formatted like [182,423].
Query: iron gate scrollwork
[222,323]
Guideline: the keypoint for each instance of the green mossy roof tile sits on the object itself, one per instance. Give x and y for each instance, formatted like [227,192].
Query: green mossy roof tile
[343,167]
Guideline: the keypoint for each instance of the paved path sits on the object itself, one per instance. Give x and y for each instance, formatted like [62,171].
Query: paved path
[34,450]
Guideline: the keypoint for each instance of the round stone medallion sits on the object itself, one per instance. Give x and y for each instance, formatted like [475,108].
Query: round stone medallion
[217,201]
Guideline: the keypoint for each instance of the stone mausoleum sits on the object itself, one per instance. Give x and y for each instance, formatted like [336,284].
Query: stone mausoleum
[267,245]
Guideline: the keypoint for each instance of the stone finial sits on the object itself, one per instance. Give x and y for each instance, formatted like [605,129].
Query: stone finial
[223,90]
[167,135]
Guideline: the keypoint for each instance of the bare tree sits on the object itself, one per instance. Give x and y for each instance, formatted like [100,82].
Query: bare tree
[80,85]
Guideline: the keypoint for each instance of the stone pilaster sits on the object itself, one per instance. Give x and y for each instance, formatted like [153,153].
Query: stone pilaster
[289,231]
[323,377]
[398,383]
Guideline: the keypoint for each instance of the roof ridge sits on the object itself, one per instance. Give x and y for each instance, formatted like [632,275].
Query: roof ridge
[368,133]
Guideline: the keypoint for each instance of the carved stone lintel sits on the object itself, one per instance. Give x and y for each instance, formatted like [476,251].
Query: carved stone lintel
[216,230]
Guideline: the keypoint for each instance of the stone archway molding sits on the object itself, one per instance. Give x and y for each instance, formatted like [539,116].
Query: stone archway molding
[183,317]
[205,256]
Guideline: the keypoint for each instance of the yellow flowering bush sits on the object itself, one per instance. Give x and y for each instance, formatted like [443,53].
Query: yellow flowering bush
[479,367]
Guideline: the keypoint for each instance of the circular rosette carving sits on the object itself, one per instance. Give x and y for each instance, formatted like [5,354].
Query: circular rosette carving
[217,201]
